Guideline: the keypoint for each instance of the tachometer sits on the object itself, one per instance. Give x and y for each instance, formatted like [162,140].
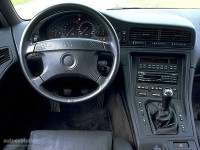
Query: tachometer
[86,29]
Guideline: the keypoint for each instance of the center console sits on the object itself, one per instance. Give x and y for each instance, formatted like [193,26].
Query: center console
[161,108]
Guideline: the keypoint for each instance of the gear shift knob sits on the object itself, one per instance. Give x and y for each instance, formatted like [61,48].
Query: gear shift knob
[167,96]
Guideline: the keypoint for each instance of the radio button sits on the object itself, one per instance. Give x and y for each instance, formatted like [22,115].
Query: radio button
[156,94]
[142,93]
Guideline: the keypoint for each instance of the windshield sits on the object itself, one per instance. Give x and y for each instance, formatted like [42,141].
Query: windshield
[29,8]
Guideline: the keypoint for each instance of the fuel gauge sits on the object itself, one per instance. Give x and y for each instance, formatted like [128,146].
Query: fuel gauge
[55,32]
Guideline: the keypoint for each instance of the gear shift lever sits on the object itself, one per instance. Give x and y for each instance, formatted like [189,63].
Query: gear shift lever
[167,96]
[162,115]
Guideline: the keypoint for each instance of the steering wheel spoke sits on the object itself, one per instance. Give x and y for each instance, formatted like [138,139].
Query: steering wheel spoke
[30,49]
[70,44]
[37,81]
[101,80]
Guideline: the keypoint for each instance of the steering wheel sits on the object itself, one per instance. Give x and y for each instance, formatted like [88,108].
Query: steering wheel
[69,56]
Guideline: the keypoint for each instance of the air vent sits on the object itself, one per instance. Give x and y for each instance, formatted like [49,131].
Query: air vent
[4,55]
[160,37]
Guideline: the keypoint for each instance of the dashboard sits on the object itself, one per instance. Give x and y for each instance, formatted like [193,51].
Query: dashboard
[159,48]
[76,25]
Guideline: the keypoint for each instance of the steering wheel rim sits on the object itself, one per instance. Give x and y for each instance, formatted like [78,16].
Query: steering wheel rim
[113,46]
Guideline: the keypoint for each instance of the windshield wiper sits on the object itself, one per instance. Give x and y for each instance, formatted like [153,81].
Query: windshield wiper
[121,8]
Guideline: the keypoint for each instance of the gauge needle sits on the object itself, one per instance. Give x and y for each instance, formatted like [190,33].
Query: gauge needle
[84,30]
[70,31]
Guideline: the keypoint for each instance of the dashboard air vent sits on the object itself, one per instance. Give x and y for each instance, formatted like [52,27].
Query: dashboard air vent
[4,55]
[160,37]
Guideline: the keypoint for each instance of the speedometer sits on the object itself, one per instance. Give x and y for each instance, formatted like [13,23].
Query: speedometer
[69,28]
[86,29]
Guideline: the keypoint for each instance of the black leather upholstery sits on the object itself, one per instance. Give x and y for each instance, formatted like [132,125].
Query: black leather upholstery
[75,140]
[70,140]
[120,144]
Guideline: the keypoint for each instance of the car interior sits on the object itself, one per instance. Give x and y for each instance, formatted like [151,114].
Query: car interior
[77,78]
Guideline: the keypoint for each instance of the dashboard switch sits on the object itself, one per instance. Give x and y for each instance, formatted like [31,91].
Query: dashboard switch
[142,112]
[181,145]
[142,93]
[140,104]
[144,121]
[181,117]
[156,147]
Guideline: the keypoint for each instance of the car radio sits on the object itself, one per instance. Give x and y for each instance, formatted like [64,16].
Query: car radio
[154,77]
[155,73]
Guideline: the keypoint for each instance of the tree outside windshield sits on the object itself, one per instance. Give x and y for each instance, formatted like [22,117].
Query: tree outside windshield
[29,8]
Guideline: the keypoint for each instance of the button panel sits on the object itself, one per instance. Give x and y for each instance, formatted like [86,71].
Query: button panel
[144,90]
[162,67]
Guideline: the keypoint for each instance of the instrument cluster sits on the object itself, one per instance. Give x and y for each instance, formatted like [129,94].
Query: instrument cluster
[76,25]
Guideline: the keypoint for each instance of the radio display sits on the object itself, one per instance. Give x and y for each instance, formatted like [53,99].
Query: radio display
[173,61]
[152,77]
[153,60]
